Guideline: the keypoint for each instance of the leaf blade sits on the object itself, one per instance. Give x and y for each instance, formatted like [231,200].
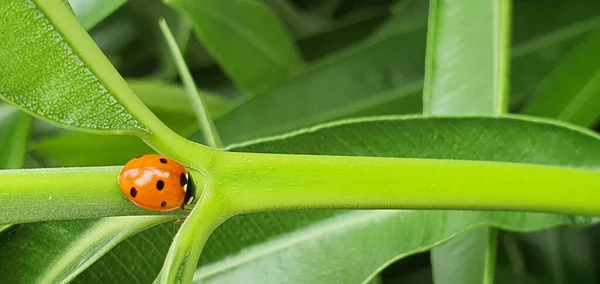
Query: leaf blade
[59,103]
[569,96]
[254,36]
[13,140]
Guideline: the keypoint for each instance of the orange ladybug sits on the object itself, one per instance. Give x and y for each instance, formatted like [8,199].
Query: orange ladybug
[157,183]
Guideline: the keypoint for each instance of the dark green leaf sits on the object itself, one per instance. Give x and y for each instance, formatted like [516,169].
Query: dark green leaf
[247,40]
[357,79]
[564,255]
[572,92]
[87,240]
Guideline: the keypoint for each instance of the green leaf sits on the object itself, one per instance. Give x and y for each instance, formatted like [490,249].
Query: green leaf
[467,63]
[572,92]
[247,40]
[326,90]
[564,255]
[82,149]
[466,258]
[165,97]
[339,37]
[86,92]
[466,72]
[14,136]
[92,12]
[314,244]
[86,241]
[349,82]
[552,40]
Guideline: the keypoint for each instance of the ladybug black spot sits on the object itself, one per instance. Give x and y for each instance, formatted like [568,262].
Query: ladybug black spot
[133,192]
[183,179]
[160,185]
[163,160]
[163,204]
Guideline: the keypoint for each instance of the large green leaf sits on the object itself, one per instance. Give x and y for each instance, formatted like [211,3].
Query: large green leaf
[81,96]
[247,40]
[312,246]
[572,92]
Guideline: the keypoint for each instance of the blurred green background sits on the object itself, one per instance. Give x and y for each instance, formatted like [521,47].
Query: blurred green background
[359,58]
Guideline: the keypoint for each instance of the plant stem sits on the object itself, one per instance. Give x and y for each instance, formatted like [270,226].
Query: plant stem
[209,131]
[259,182]
[182,259]
[489,273]
[64,194]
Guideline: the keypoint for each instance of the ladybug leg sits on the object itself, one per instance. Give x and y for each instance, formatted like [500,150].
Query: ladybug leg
[180,221]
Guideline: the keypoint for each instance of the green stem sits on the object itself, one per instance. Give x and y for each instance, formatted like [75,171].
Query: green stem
[259,182]
[64,194]
[182,259]
[251,182]
[209,131]
[489,274]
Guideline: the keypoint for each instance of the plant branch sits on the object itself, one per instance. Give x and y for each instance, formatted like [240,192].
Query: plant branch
[64,194]
[182,259]
[261,182]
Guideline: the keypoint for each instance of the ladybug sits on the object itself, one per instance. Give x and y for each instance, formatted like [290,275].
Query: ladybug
[157,183]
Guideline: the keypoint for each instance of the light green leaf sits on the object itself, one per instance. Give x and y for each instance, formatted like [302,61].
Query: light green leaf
[83,149]
[86,92]
[171,98]
[467,72]
[466,258]
[92,12]
[314,244]
[572,92]
[14,136]
[467,55]
[247,40]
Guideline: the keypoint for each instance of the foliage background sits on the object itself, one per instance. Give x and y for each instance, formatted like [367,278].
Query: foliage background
[348,59]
